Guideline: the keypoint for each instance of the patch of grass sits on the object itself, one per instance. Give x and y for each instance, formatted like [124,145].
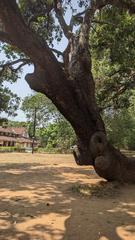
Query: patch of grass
[101,190]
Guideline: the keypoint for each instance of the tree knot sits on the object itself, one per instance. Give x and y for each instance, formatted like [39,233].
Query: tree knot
[98,144]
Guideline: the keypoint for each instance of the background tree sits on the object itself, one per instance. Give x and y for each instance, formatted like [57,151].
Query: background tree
[8,100]
[57,137]
[45,109]
[113,56]
[69,83]
[52,129]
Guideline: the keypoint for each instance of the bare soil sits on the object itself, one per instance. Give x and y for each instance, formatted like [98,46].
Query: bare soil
[48,197]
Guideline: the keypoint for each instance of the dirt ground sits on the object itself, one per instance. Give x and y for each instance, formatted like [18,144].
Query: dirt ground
[45,197]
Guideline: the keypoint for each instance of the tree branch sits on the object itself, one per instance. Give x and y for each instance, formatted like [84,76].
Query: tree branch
[5,37]
[77,17]
[24,60]
[59,53]
[103,22]
[59,14]
[20,66]
[27,41]
[9,65]
[87,20]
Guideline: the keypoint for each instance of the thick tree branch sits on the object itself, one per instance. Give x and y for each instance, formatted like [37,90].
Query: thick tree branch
[27,41]
[5,37]
[85,27]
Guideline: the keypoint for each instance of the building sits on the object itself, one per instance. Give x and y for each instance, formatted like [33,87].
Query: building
[15,136]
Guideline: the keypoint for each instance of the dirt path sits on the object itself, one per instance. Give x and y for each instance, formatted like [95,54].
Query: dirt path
[39,200]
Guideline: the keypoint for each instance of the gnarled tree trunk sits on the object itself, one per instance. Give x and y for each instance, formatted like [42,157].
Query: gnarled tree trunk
[93,147]
[71,88]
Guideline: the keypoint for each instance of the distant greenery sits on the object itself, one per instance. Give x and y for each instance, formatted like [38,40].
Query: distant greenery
[46,112]
[112,40]
[12,149]
[57,136]
[120,125]
[17,124]
[9,101]
[53,131]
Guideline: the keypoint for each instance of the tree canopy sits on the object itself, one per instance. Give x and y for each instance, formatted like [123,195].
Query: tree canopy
[113,55]
[8,100]
[46,111]
[111,39]
[52,129]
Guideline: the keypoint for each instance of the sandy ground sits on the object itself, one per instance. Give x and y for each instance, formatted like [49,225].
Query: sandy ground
[38,201]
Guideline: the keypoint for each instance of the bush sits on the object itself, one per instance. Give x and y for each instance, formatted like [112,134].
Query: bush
[15,149]
[121,129]
[7,149]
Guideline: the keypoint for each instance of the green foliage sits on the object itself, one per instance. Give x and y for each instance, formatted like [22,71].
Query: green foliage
[8,101]
[39,16]
[16,124]
[121,129]
[45,110]
[53,131]
[120,126]
[12,149]
[3,121]
[57,136]
[113,55]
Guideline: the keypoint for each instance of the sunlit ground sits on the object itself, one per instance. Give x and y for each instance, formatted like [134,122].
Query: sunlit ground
[49,197]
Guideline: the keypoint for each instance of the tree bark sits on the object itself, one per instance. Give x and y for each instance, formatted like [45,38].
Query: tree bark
[72,90]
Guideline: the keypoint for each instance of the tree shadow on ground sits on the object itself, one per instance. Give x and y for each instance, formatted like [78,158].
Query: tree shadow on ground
[101,218]
[36,204]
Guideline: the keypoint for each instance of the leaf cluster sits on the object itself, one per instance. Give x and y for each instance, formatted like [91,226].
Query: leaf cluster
[113,53]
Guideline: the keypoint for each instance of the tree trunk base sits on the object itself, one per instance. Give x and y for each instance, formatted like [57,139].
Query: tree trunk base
[108,162]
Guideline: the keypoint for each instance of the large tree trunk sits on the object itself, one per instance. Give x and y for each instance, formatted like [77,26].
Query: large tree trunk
[93,147]
[74,96]
[71,89]
[76,101]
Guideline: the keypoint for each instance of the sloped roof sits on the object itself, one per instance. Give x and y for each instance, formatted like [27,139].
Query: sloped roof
[8,139]
[14,139]
[24,140]
[19,130]
[15,130]
[18,135]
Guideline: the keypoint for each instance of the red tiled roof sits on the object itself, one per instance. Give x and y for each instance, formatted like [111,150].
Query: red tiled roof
[8,139]
[24,140]
[16,130]
[5,130]
[12,139]
[15,138]
[19,130]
